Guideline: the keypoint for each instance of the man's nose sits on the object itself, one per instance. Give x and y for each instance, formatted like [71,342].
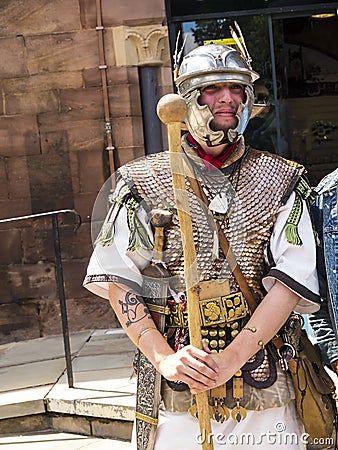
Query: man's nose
[225,95]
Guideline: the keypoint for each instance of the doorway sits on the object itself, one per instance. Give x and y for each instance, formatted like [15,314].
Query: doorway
[297,59]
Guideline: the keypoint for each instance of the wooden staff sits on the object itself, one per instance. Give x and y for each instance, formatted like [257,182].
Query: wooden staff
[172,109]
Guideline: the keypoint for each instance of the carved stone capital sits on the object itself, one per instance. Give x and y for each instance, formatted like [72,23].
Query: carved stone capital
[141,46]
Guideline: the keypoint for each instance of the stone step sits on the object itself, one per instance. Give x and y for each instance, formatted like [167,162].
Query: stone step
[65,423]
[34,386]
[51,440]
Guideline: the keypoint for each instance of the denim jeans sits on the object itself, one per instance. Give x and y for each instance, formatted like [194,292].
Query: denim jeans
[325,322]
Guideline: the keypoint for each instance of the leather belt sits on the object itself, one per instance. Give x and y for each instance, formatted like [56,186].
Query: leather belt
[213,311]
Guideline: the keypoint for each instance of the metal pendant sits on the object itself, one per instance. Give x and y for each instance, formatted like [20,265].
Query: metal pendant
[194,412]
[220,413]
[219,204]
[238,413]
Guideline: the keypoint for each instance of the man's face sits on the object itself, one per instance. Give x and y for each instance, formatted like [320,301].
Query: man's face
[223,100]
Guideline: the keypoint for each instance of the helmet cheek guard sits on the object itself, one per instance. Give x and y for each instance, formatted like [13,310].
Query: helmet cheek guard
[243,116]
[198,121]
[199,118]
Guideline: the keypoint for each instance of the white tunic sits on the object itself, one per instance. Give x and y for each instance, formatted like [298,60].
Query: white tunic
[295,266]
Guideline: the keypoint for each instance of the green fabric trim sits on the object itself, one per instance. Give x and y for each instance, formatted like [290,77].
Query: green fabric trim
[106,234]
[138,236]
[305,192]
[291,229]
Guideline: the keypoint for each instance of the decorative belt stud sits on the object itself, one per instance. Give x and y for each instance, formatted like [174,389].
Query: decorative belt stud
[223,309]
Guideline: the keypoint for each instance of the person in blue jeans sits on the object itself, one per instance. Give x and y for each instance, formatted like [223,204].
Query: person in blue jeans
[325,322]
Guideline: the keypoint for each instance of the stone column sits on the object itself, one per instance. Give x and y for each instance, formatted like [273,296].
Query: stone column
[146,47]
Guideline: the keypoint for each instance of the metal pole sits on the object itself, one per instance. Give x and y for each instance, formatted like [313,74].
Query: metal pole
[62,298]
[152,127]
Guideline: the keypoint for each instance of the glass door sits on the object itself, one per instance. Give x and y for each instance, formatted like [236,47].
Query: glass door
[297,59]
[308,76]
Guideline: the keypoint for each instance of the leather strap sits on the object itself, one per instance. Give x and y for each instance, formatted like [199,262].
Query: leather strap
[225,246]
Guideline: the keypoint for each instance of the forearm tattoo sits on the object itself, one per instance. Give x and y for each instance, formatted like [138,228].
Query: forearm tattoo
[134,308]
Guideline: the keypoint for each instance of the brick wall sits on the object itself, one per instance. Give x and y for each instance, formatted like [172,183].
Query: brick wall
[52,153]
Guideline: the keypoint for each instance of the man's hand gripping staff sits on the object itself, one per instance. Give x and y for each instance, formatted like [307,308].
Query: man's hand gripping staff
[172,110]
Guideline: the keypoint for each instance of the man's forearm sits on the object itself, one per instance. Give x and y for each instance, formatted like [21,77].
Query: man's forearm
[265,322]
[190,364]
[134,316]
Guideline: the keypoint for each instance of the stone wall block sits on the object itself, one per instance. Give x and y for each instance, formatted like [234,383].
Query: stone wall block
[126,100]
[4,191]
[43,82]
[115,75]
[53,139]
[31,281]
[128,131]
[19,136]
[127,154]
[14,208]
[87,313]
[91,173]
[19,322]
[86,135]
[74,272]
[33,102]
[84,203]
[37,243]
[75,244]
[38,16]
[18,178]
[147,11]
[5,293]
[10,247]
[12,57]
[74,168]
[82,102]
[50,181]
[77,135]
[92,77]
[1,100]
[64,52]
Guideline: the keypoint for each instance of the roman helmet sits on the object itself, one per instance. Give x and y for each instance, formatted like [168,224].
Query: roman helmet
[209,64]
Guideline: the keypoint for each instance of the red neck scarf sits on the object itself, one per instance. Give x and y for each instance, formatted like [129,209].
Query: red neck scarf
[212,162]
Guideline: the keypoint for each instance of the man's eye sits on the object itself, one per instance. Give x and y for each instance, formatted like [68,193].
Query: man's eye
[237,87]
[211,87]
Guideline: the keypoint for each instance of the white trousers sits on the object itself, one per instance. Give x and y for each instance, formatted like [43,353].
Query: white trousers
[275,428]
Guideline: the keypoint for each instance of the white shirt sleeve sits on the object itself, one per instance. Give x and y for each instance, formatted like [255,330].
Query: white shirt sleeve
[114,263]
[295,265]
